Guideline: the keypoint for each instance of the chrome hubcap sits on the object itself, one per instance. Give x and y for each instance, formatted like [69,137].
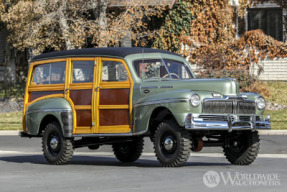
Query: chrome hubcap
[54,143]
[168,143]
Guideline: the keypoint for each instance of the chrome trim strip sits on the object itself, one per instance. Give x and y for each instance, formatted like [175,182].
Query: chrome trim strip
[166,86]
[227,98]
[149,87]
[168,100]
[110,134]
[48,110]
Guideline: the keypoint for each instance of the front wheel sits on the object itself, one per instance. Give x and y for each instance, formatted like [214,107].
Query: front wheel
[171,144]
[57,149]
[129,151]
[242,149]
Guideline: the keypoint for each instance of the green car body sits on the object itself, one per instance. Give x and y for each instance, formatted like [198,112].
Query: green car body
[199,106]
[174,96]
[55,108]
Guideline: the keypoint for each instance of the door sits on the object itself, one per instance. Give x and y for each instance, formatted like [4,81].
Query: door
[80,93]
[114,97]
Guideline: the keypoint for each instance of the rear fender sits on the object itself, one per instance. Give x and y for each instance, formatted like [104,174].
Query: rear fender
[54,109]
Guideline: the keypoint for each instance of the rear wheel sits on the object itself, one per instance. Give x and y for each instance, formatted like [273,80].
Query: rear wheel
[57,149]
[172,144]
[242,149]
[129,151]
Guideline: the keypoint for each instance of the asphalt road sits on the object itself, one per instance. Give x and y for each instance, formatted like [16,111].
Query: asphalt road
[23,168]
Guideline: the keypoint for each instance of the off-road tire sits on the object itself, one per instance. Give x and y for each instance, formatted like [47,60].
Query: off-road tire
[64,151]
[250,149]
[129,151]
[180,151]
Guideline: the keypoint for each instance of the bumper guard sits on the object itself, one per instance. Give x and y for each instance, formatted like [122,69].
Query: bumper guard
[194,123]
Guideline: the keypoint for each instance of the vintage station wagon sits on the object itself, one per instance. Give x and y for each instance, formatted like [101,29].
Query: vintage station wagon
[118,96]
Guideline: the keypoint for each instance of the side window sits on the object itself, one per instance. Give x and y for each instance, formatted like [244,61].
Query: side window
[177,70]
[150,69]
[51,73]
[83,71]
[58,73]
[113,71]
[41,74]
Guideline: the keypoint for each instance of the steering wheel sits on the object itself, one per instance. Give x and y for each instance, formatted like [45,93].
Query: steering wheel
[171,74]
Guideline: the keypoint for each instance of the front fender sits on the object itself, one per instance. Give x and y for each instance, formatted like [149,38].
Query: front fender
[143,113]
[59,108]
[177,102]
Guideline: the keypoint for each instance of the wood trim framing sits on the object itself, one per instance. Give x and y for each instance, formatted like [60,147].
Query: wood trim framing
[88,112]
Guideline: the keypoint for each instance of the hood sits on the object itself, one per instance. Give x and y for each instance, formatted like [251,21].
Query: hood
[222,86]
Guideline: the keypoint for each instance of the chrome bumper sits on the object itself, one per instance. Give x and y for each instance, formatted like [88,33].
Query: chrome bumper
[193,123]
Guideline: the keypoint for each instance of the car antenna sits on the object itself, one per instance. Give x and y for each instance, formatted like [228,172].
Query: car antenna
[142,55]
[142,60]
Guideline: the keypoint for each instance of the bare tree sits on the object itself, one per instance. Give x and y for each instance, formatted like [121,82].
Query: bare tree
[66,24]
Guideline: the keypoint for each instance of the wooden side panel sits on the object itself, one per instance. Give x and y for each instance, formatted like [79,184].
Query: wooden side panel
[81,97]
[114,96]
[109,117]
[84,118]
[36,94]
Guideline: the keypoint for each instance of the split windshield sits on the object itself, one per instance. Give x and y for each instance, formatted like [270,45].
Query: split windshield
[161,69]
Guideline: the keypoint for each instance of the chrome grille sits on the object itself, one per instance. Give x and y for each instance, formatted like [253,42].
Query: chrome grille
[244,118]
[247,118]
[217,107]
[246,107]
[214,117]
[228,107]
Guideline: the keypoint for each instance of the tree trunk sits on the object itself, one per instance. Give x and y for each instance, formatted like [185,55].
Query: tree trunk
[30,55]
[95,10]
[10,58]
[64,26]
[102,8]
[65,32]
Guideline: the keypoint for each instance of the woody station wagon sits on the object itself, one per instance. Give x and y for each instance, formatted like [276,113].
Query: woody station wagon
[118,96]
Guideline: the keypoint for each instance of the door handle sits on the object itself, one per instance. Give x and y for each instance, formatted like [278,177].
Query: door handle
[66,90]
[97,89]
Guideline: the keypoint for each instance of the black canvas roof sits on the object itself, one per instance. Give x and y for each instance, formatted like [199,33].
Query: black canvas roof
[119,52]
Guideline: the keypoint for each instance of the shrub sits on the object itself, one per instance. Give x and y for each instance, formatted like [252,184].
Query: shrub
[247,82]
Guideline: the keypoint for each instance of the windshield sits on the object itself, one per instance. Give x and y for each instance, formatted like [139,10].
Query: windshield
[161,69]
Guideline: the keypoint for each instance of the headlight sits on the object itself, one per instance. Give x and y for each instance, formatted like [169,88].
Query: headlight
[260,103]
[194,100]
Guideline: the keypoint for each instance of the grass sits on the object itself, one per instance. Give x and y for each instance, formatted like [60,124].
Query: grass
[11,121]
[278,91]
[278,119]
[278,94]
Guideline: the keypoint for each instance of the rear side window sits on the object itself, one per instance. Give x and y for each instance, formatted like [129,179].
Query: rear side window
[51,73]
[83,71]
[113,71]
